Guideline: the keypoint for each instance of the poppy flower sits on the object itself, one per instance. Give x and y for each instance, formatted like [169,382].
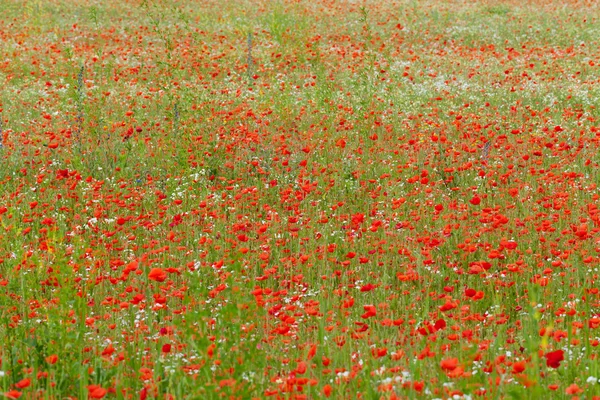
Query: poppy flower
[554,358]
[157,274]
[13,394]
[52,359]
[96,392]
[573,389]
[449,364]
[519,367]
[371,311]
[23,383]
[475,200]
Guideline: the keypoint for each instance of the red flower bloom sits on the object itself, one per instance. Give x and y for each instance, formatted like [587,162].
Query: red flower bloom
[23,383]
[519,367]
[573,389]
[157,274]
[371,311]
[449,364]
[554,358]
[13,394]
[52,359]
[96,392]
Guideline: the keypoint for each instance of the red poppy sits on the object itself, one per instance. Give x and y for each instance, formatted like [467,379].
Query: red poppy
[96,392]
[554,358]
[52,359]
[13,394]
[519,367]
[573,389]
[449,364]
[23,383]
[371,311]
[157,274]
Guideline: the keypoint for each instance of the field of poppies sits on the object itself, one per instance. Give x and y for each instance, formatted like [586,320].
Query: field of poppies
[299,199]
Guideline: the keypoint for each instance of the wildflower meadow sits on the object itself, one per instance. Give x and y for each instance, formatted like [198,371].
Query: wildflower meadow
[299,199]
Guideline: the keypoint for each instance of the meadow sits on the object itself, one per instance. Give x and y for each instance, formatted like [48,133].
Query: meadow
[299,199]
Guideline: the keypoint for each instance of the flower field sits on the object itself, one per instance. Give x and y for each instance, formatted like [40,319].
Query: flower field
[299,199]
